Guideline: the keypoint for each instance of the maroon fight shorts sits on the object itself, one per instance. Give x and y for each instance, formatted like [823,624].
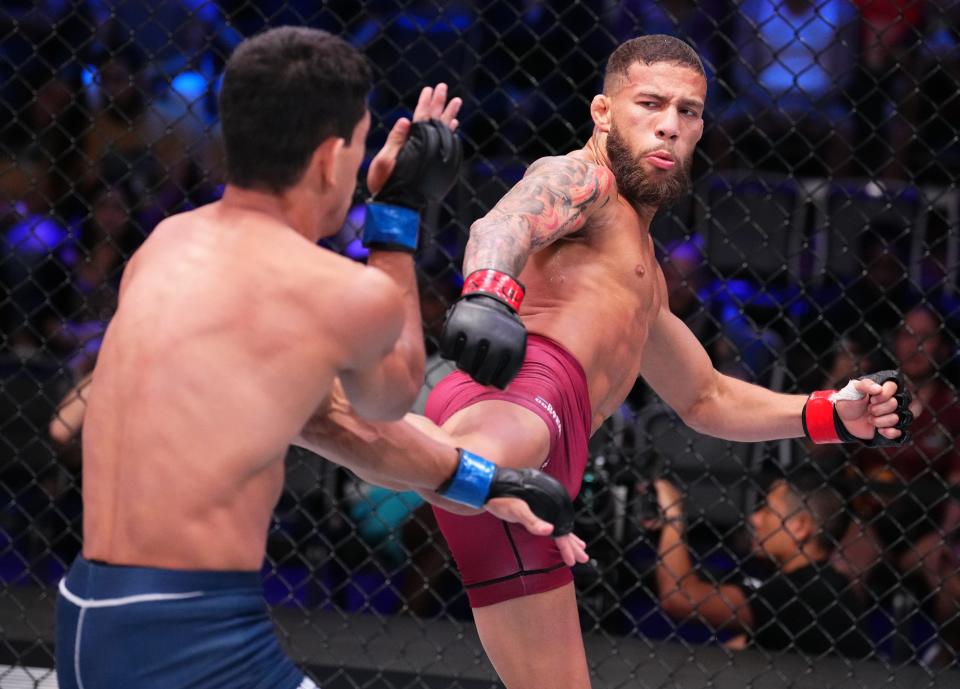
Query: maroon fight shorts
[500,561]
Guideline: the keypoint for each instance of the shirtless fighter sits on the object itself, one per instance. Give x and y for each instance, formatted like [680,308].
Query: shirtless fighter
[231,328]
[575,232]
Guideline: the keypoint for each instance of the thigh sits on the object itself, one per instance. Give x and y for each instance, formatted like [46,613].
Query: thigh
[501,431]
[535,642]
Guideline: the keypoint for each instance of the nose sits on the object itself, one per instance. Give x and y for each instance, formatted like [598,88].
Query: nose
[669,124]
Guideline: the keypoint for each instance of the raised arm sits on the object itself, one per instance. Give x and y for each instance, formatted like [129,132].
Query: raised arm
[483,332]
[416,167]
[683,594]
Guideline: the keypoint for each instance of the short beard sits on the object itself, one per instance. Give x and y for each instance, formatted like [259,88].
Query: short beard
[635,185]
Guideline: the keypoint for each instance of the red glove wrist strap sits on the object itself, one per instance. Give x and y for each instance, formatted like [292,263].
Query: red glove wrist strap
[496,284]
[818,418]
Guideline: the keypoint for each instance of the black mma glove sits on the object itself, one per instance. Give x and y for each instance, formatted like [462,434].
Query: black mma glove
[483,333]
[426,168]
[822,424]
[478,480]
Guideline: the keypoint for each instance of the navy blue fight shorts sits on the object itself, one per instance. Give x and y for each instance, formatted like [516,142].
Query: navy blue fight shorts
[146,628]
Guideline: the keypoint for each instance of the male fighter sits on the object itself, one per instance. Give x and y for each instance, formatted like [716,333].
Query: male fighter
[575,231]
[231,328]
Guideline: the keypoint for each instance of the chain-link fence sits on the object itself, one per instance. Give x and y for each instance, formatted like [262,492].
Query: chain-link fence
[822,239]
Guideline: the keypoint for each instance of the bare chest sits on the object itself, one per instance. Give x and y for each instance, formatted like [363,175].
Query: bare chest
[598,295]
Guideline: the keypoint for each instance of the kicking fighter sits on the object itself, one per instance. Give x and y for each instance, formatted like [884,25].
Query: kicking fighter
[566,256]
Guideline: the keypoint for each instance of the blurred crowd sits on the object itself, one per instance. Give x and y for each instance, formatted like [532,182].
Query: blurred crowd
[843,112]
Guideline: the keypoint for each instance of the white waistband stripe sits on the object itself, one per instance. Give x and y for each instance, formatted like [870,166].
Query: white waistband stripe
[126,600]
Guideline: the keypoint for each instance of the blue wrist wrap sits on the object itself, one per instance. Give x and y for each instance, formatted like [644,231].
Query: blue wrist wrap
[391,226]
[471,484]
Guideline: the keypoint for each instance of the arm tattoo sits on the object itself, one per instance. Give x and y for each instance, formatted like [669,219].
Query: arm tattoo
[553,200]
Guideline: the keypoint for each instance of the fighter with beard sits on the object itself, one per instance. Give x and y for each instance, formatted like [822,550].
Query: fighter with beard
[539,378]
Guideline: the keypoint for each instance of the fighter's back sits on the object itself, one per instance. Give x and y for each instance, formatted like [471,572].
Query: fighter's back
[226,339]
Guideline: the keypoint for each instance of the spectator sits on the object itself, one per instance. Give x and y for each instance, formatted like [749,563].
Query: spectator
[889,32]
[806,606]
[37,38]
[791,74]
[733,318]
[924,136]
[910,505]
[861,314]
[30,240]
[923,347]
[46,130]
[696,23]
[725,315]
[906,522]
[686,277]
[131,139]
[107,238]
[170,32]
[63,286]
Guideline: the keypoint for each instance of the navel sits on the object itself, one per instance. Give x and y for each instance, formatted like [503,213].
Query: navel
[640,270]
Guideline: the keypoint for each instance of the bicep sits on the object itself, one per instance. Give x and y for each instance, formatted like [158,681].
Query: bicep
[373,323]
[675,364]
[553,200]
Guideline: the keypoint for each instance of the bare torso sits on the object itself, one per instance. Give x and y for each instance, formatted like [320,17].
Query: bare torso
[213,362]
[596,292]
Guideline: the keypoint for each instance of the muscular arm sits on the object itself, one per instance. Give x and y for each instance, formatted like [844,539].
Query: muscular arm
[677,367]
[683,593]
[410,454]
[554,199]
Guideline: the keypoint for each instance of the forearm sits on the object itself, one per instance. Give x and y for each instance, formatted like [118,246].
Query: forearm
[678,368]
[404,366]
[412,454]
[733,409]
[674,568]
[395,453]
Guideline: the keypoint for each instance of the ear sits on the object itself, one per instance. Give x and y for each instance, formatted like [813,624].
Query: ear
[323,162]
[600,112]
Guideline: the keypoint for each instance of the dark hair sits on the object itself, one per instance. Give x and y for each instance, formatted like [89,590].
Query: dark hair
[284,92]
[649,50]
[813,492]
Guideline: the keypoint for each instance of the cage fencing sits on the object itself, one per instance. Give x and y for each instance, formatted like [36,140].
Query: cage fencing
[821,240]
